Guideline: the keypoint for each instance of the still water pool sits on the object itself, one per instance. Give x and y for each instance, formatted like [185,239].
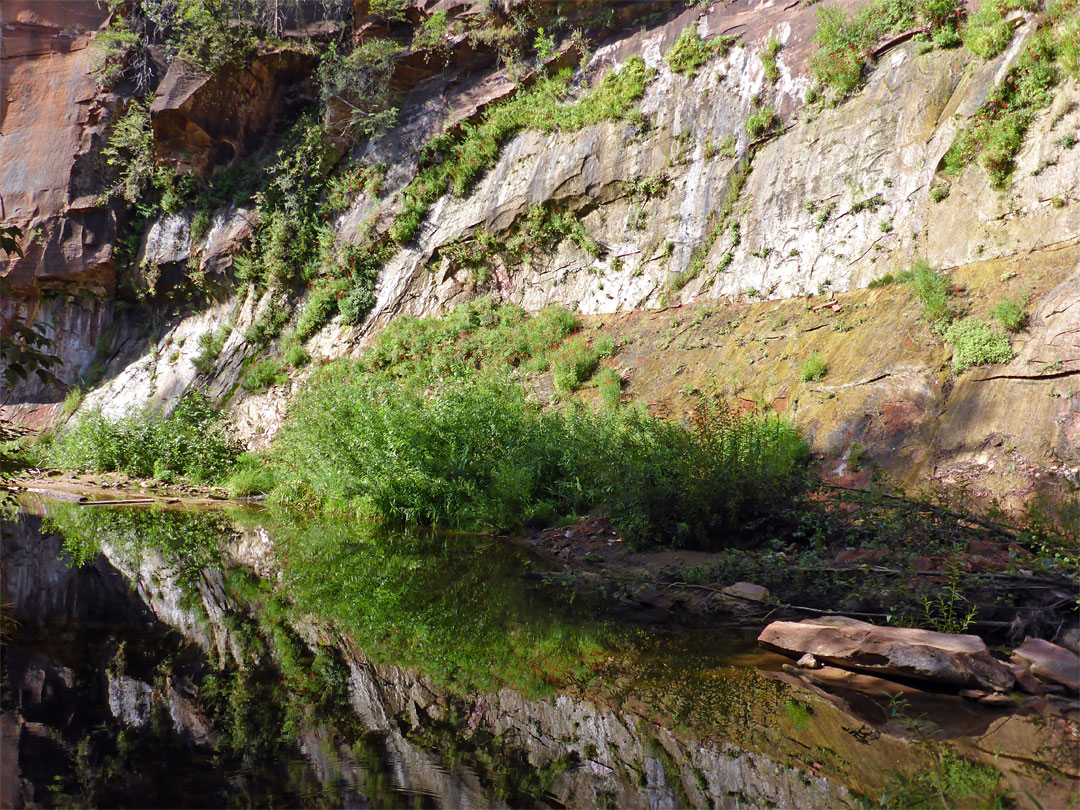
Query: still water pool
[242,658]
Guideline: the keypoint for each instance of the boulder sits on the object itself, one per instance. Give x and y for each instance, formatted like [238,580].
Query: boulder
[959,661]
[747,590]
[1049,662]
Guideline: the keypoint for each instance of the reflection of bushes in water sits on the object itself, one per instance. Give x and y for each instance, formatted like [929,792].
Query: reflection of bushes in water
[477,453]
[953,781]
[458,613]
[188,541]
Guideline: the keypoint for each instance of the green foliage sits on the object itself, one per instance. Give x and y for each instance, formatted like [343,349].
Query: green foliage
[356,87]
[767,55]
[475,452]
[996,132]
[191,441]
[294,353]
[431,33]
[975,343]
[760,122]
[210,344]
[813,368]
[543,227]
[843,41]
[577,359]
[129,148]
[690,51]
[456,160]
[609,384]
[250,476]
[1011,312]
[343,188]
[933,290]
[478,334]
[939,191]
[265,373]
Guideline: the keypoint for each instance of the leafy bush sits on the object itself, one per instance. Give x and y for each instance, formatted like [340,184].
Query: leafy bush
[1011,313]
[210,344]
[265,373]
[129,147]
[975,343]
[987,32]
[996,132]
[688,53]
[609,384]
[475,452]
[813,368]
[844,41]
[768,59]
[932,288]
[577,359]
[191,441]
[250,476]
[759,122]
[357,86]
[479,334]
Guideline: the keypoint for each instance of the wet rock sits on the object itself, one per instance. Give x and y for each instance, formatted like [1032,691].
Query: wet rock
[1049,662]
[747,590]
[955,660]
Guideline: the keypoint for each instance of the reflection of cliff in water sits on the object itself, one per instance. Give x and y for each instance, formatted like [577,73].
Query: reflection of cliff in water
[192,660]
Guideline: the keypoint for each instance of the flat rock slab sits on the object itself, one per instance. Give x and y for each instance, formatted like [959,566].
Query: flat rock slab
[1049,662]
[960,661]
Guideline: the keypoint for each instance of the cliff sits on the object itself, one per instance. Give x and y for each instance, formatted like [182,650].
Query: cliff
[719,255]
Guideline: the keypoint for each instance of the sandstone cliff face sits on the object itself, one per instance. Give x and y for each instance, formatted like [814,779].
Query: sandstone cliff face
[839,198]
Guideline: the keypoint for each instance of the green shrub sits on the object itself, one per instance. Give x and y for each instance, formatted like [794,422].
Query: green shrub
[939,191]
[690,51]
[759,122]
[250,476]
[210,345]
[265,373]
[479,334]
[975,342]
[996,132]
[191,441]
[987,33]
[577,359]
[294,353]
[932,288]
[813,368]
[843,41]
[1011,313]
[768,59]
[475,452]
[609,384]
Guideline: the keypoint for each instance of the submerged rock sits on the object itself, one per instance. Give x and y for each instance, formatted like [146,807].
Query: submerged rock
[955,660]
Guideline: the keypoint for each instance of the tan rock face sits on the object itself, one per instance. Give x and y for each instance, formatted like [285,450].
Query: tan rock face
[954,660]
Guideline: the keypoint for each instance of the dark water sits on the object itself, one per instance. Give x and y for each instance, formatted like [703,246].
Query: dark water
[168,658]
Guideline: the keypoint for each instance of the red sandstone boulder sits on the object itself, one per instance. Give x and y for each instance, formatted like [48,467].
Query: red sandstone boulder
[1049,662]
[955,660]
